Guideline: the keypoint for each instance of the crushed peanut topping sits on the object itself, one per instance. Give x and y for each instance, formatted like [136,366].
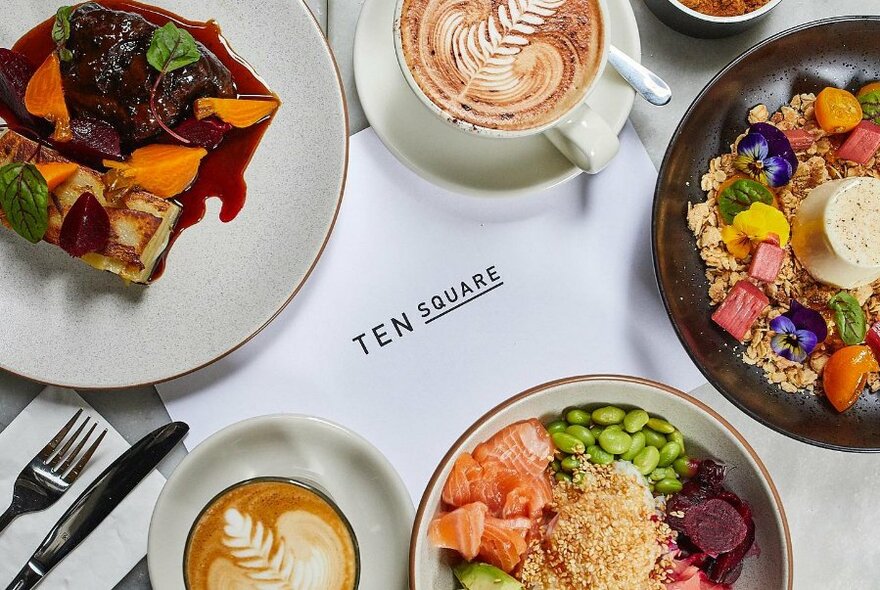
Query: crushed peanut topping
[608,537]
[818,165]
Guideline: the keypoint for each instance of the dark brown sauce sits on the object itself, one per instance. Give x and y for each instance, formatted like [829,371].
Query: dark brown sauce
[221,174]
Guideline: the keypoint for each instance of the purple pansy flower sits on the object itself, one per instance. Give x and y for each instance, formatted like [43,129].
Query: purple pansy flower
[766,155]
[798,332]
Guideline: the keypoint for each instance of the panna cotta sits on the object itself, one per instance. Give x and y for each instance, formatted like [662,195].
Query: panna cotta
[836,232]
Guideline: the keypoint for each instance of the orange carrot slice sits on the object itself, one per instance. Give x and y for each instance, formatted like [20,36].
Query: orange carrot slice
[56,173]
[164,170]
[238,112]
[44,97]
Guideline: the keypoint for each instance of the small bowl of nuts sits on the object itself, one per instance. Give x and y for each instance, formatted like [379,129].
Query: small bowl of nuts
[711,18]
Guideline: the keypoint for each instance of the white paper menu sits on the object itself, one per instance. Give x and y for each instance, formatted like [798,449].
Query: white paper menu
[428,308]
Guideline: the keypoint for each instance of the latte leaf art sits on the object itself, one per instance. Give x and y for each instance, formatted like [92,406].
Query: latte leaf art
[255,548]
[485,52]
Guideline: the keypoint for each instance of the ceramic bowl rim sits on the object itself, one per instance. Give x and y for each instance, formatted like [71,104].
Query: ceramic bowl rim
[665,295]
[625,379]
[724,20]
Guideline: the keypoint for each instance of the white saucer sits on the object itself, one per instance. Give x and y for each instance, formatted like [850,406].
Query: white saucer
[353,472]
[454,159]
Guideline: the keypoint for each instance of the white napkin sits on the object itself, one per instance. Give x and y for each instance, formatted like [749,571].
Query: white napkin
[112,550]
[578,296]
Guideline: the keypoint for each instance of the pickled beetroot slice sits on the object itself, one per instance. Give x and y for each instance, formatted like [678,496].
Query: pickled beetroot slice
[15,73]
[93,141]
[715,527]
[207,133]
[86,227]
[727,567]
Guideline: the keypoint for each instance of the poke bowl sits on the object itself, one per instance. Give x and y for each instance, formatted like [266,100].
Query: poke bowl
[601,482]
[779,91]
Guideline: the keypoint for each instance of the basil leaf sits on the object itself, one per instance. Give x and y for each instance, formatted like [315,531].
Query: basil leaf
[24,198]
[740,195]
[849,317]
[172,48]
[61,31]
[871,106]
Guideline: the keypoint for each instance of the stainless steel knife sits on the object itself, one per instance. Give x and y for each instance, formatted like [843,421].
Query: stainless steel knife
[98,501]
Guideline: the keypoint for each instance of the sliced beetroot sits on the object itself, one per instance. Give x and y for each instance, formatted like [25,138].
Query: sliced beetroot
[715,527]
[708,483]
[86,227]
[727,567]
[15,73]
[207,133]
[93,141]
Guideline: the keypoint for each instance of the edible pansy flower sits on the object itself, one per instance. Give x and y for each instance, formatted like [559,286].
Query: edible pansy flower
[766,155]
[798,332]
[753,226]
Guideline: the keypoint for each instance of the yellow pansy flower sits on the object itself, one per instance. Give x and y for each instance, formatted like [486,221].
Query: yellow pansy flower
[754,226]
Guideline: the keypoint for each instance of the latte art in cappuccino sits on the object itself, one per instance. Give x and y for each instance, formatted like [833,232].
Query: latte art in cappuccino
[503,64]
[271,536]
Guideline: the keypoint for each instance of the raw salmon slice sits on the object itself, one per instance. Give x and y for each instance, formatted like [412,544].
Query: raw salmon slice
[496,481]
[525,446]
[465,472]
[460,530]
[528,498]
[501,545]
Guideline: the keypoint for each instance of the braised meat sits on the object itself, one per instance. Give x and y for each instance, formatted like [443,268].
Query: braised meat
[110,79]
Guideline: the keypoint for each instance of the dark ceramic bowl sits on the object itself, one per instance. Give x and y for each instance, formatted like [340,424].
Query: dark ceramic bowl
[840,52]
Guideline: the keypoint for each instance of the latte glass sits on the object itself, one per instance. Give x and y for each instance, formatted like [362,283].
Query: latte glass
[311,488]
[580,133]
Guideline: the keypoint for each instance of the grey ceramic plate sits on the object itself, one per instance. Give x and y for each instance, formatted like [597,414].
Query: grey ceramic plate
[66,324]
[837,52]
[707,435]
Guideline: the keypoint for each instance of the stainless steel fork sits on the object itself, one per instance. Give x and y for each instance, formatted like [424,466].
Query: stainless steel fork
[52,471]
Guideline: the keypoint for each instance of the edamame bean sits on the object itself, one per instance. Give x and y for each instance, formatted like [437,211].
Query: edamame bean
[596,430]
[637,444]
[660,425]
[608,415]
[578,416]
[556,466]
[635,420]
[669,453]
[615,442]
[557,426]
[560,477]
[654,438]
[668,486]
[646,460]
[685,467]
[568,444]
[582,433]
[578,478]
[678,437]
[616,427]
[659,473]
[570,464]
[599,456]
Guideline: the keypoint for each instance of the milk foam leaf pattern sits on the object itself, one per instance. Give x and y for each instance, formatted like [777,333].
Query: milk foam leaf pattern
[485,52]
[24,199]
[849,317]
[255,549]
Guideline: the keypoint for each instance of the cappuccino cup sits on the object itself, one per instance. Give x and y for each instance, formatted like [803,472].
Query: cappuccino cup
[511,68]
[271,533]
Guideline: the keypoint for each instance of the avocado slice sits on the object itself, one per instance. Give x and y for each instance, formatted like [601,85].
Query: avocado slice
[482,576]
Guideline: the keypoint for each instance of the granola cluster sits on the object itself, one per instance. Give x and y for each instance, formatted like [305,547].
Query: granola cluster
[723,270]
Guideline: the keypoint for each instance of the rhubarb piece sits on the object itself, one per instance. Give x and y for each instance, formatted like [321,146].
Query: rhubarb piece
[44,97]
[207,133]
[800,139]
[164,170]
[873,340]
[715,527]
[862,144]
[15,73]
[739,310]
[93,141]
[86,227]
[237,112]
[766,262]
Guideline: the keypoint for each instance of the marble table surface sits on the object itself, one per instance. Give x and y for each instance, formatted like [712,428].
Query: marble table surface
[829,496]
